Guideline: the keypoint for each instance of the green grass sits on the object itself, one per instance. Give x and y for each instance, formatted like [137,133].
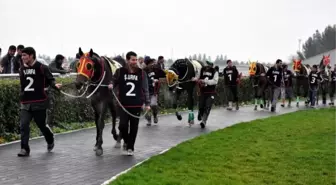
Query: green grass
[296,148]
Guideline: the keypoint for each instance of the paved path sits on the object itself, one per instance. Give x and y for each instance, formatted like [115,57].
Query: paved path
[74,162]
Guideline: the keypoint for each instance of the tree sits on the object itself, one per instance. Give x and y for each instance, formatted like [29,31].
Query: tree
[204,57]
[319,43]
[194,57]
[199,57]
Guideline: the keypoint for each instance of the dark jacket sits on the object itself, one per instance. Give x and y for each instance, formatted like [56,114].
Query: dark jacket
[49,82]
[7,62]
[56,67]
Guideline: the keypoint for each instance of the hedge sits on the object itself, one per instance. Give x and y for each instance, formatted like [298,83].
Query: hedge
[80,110]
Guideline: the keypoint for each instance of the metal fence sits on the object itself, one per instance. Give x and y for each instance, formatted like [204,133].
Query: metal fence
[16,75]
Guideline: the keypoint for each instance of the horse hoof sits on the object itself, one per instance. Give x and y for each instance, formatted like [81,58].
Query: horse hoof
[95,148]
[99,152]
[179,117]
[117,145]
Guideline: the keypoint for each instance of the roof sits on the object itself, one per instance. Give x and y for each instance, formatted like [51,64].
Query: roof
[316,59]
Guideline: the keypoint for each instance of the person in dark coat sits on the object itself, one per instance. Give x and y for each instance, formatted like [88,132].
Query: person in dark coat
[7,64]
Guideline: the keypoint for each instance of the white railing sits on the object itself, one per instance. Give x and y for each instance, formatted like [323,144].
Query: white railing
[14,75]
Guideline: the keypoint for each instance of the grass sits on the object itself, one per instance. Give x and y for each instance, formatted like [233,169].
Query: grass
[296,148]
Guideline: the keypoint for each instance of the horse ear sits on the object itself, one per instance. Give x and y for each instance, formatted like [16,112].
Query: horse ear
[91,52]
[80,52]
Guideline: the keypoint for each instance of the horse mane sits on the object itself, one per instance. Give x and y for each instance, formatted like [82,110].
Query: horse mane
[260,68]
[120,60]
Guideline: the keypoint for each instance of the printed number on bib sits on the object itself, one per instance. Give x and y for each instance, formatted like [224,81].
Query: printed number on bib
[130,92]
[230,76]
[275,77]
[313,80]
[28,87]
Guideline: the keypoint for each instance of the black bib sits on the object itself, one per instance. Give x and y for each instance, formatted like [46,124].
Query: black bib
[333,76]
[151,84]
[32,81]
[130,88]
[208,73]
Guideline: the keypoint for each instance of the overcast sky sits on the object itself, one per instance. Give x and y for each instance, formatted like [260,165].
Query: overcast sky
[261,30]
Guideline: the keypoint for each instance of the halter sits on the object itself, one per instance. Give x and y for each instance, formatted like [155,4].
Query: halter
[179,81]
[90,83]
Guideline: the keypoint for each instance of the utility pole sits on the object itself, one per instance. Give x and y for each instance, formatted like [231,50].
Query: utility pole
[299,45]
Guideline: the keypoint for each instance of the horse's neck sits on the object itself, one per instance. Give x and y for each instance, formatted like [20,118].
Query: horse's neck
[305,69]
[261,68]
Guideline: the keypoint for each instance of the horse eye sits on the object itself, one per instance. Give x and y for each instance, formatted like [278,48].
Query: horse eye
[254,68]
[88,66]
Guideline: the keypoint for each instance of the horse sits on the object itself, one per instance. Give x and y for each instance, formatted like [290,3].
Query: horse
[96,72]
[257,73]
[179,78]
[301,73]
[325,75]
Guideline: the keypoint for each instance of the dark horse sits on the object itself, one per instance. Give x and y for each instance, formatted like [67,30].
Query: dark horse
[260,86]
[179,78]
[96,72]
[325,75]
[301,74]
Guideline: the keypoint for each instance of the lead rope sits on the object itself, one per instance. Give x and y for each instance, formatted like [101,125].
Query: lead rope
[134,116]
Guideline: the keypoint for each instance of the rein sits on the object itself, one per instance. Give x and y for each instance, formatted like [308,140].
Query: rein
[94,91]
[180,81]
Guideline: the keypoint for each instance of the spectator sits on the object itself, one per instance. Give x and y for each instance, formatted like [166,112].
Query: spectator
[56,65]
[7,66]
[18,59]
[142,64]
[73,64]
[160,62]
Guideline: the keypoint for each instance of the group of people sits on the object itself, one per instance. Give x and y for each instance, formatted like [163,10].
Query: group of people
[281,80]
[138,85]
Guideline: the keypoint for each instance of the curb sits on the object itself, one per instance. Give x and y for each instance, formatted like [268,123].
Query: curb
[127,170]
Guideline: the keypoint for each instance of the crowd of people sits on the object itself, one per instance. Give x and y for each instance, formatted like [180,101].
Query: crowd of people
[36,77]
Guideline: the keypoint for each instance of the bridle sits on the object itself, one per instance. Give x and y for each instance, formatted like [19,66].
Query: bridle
[89,83]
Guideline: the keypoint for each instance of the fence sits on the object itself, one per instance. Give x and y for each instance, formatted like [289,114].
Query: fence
[16,75]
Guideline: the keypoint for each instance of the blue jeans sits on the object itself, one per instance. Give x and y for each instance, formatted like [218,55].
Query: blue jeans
[312,95]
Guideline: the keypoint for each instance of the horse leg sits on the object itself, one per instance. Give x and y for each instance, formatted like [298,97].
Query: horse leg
[101,107]
[113,112]
[297,88]
[177,94]
[324,93]
[96,123]
[255,98]
[191,116]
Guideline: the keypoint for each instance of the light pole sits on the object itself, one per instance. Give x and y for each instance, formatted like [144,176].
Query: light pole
[299,45]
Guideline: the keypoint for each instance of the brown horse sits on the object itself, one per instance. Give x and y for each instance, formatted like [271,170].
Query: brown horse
[259,81]
[325,75]
[96,73]
[301,72]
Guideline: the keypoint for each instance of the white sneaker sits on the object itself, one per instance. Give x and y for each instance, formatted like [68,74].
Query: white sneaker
[130,152]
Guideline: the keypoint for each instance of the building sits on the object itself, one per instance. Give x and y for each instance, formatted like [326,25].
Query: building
[317,59]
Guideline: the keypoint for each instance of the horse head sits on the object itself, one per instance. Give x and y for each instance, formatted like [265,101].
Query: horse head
[89,68]
[171,77]
[325,62]
[297,65]
[253,68]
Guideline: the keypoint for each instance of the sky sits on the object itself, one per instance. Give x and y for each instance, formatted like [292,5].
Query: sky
[262,30]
